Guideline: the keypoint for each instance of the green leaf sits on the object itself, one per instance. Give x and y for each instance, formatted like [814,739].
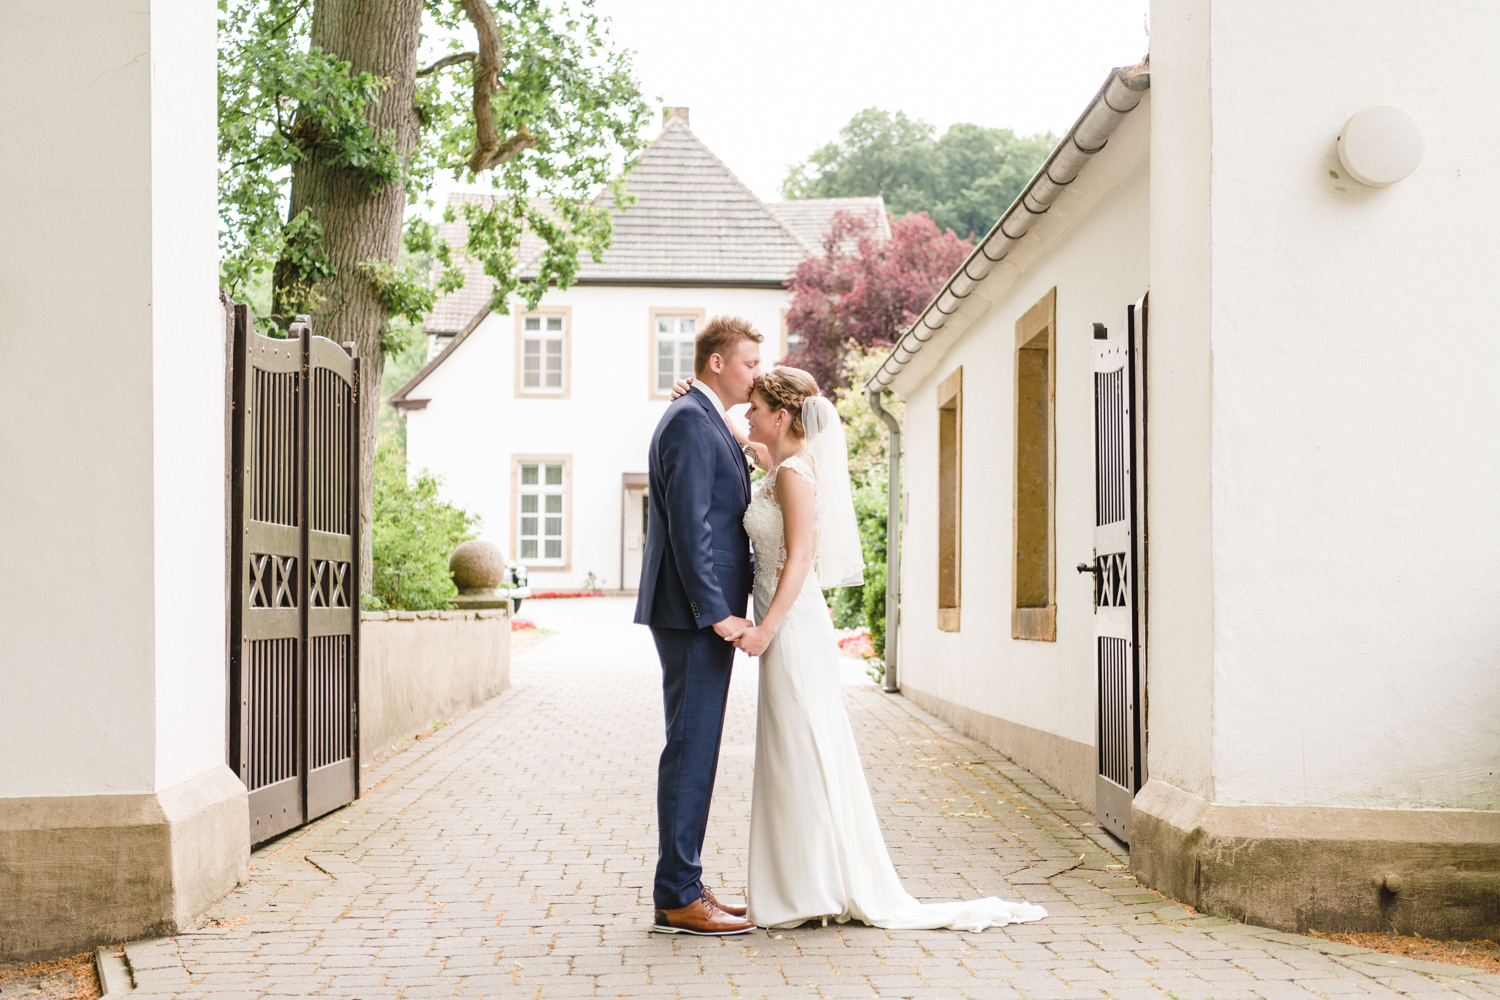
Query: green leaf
[280,98]
[415,532]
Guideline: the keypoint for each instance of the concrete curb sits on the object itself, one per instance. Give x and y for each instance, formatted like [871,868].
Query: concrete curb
[114,973]
[142,967]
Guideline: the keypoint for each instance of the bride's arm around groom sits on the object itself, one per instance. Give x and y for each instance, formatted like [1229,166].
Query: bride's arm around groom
[687,453]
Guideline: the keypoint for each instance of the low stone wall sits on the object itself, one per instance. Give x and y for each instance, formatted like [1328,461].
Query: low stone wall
[418,667]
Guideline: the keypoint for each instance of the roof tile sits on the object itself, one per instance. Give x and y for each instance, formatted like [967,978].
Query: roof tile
[693,220]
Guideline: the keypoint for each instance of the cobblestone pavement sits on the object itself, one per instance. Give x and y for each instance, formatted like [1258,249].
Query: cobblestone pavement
[510,855]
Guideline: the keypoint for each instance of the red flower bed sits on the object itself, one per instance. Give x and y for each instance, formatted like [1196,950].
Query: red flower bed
[522,625]
[856,642]
[566,593]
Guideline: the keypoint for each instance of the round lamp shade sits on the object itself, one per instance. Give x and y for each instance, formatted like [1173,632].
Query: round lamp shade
[1380,146]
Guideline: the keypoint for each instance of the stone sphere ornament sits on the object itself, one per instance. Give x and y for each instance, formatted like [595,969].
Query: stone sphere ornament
[1379,146]
[477,565]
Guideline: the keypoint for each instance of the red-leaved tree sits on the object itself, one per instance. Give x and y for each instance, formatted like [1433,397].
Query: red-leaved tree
[865,288]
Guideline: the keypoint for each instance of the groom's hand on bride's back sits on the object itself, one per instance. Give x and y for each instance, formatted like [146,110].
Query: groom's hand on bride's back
[732,627]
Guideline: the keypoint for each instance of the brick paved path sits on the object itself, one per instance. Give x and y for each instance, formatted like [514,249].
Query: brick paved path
[511,855]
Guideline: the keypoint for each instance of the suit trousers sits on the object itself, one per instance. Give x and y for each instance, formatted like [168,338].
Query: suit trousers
[695,669]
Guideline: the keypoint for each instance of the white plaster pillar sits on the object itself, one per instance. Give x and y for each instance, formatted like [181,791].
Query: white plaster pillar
[1324,675]
[118,816]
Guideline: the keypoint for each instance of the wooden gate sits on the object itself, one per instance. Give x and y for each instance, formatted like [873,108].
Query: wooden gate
[1117,561]
[294,593]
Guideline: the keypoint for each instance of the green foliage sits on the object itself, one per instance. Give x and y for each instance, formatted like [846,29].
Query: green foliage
[869,438]
[847,605]
[278,100]
[874,597]
[399,335]
[415,533]
[567,97]
[305,264]
[404,288]
[964,179]
[877,153]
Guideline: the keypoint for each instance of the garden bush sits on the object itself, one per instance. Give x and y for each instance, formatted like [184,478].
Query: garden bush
[414,533]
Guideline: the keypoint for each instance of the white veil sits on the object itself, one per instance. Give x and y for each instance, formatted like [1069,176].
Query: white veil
[840,561]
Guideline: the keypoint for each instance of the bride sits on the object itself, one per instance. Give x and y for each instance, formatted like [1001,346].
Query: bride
[816,848]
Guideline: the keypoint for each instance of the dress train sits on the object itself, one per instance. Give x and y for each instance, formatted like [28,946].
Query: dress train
[816,847]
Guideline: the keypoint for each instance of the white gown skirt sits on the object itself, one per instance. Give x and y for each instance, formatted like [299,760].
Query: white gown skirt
[816,847]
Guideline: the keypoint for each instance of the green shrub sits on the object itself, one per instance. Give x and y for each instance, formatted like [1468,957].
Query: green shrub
[874,595]
[414,533]
[854,607]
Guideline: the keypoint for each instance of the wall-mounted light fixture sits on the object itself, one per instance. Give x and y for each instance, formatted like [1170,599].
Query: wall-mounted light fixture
[1380,145]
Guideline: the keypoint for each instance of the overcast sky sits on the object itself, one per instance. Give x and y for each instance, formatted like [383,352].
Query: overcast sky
[769,81]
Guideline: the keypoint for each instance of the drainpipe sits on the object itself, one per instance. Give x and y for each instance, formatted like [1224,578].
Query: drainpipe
[892,542]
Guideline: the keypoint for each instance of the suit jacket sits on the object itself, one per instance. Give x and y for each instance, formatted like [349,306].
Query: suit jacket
[696,569]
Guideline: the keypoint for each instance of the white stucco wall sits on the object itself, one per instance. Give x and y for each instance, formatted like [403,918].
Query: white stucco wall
[188,356]
[1322,530]
[1180,709]
[1354,349]
[111,399]
[475,422]
[1098,261]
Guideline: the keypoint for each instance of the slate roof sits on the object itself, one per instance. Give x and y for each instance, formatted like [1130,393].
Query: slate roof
[810,218]
[693,222]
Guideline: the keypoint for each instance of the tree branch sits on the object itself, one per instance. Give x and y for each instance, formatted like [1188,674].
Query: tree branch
[509,149]
[489,149]
[452,60]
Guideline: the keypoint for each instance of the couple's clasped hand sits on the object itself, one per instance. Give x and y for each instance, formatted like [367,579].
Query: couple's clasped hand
[744,634]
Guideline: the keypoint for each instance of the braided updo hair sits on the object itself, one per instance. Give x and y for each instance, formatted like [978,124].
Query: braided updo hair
[787,389]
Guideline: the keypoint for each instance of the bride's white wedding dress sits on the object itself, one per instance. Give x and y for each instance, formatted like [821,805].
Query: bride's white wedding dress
[816,848]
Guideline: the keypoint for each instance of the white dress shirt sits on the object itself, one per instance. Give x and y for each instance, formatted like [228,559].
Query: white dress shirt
[713,397]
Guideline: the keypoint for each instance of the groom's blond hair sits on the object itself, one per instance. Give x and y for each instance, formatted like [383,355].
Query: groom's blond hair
[720,336]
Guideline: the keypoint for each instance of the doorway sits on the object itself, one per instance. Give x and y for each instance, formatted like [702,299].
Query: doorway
[635,514]
[1119,567]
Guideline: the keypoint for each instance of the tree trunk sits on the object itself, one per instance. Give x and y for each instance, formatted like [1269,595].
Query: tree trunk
[360,223]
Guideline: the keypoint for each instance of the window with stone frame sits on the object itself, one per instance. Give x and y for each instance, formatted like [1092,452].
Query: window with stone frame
[543,354]
[542,518]
[672,343]
[950,500]
[1034,565]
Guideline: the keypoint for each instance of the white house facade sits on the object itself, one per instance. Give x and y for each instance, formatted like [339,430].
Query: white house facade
[539,420]
[1275,471]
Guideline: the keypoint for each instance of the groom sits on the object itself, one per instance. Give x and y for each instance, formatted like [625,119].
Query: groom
[695,588]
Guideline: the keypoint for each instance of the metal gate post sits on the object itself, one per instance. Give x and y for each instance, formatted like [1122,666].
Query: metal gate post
[356,598]
[238,697]
[302,328]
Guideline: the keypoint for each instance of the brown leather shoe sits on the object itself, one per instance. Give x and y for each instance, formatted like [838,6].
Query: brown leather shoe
[733,909]
[698,917]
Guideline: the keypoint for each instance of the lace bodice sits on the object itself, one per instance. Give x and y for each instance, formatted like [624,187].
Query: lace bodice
[767,530]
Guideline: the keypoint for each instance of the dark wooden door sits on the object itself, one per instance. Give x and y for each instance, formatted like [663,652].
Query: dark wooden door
[1115,565]
[294,602]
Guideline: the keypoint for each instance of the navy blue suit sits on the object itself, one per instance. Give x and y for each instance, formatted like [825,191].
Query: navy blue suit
[695,572]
